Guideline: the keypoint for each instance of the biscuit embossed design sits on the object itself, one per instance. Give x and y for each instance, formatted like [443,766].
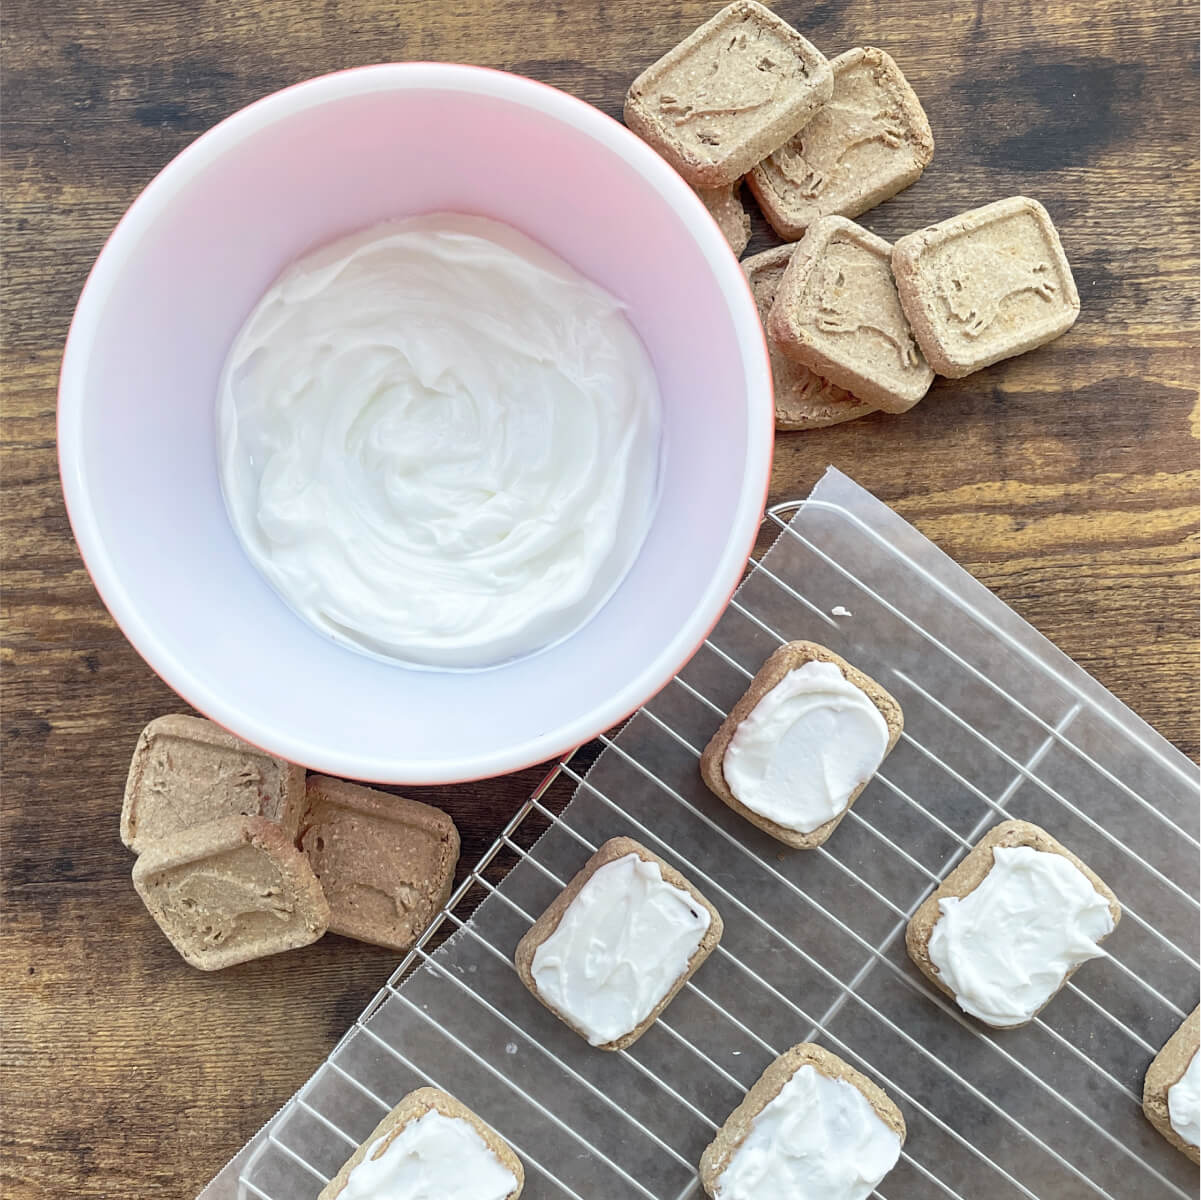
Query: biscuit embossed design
[868,143]
[837,313]
[231,890]
[186,771]
[809,164]
[386,863]
[204,892]
[979,283]
[845,309]
[803,400]
[985,285]
[732,92]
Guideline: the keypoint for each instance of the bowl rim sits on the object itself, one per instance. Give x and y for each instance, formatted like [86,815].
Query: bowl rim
[155,198]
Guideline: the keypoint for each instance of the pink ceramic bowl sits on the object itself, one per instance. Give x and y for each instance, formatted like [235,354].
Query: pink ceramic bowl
[182,271]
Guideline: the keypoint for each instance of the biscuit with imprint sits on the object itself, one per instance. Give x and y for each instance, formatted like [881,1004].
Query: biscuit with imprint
[787,658]
[231,890]
[1165,1071]
[868,142]
[386,864]
[803,400]
[985,285]
[186,771]
[837,312]
[729,94]
[546,925]
[968,876]
[412,1108]
[730,1137]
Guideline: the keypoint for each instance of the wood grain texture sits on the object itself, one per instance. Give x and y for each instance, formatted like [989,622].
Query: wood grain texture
[1066,480]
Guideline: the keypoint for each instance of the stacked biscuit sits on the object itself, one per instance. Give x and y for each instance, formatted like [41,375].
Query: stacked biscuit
[241,856]
[854,324]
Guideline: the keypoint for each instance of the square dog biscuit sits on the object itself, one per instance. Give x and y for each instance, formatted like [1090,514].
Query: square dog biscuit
[1164,1072]
[970,873]
[870,141]
[733,1133]
[803,400]
[729,94]
[231,890]
[186,771]
[985,285]
[789,657]
[548,923]
[386,864]
[412,1108]
[726,208]
[837,313]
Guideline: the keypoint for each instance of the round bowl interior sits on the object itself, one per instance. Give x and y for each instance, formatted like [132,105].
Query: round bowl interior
[189,261]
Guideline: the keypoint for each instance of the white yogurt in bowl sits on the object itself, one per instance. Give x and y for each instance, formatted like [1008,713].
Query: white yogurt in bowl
[440,443]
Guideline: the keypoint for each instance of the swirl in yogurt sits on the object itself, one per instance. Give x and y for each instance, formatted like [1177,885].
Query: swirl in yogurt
[439,443]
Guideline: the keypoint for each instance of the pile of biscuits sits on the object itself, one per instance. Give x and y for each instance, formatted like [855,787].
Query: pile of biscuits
[854,324]
[240,855]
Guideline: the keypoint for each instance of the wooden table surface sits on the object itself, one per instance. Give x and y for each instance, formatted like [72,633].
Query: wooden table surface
[1065,480]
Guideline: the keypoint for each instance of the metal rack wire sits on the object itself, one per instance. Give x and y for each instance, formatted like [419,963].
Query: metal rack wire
[998,724]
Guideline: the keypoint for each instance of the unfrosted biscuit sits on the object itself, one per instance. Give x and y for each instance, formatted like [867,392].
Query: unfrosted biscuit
[386,864]
[548,922]
[733,1133]
[231,890]
[729,94]
[413,1106]
[970,873]
[837,312]
[790,657]
[1165,1071]
[985,285]
[870,141]
[726,208]
[186,771]
[803,400]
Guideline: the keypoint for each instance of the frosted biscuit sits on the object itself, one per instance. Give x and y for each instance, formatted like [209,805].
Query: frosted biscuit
[1170,1090]
[837,313]
[386,864]
[430,1145]
[729,94]
[186,771]
[726,208]
[618,943]
[803,400]
[1016,880]
[775,761]
[870,141]
[985,285]
[811,1125]
[231,890]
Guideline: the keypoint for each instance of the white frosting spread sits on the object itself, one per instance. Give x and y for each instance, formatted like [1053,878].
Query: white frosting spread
[805,747]
[1006,947]
[438,442]
[434,1157]
[618,949]
[1184,1102]
[818,1139]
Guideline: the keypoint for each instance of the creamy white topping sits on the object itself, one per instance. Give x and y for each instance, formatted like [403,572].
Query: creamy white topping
[805,747]
[818,1139]
[438,442]
[618,949]
[1006,947]
[434,1157]
[1184,1102]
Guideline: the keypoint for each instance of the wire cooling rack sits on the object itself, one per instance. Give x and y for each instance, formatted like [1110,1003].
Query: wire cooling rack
[998,724]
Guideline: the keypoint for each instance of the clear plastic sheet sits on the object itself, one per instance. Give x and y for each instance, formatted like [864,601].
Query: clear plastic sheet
[998,723]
